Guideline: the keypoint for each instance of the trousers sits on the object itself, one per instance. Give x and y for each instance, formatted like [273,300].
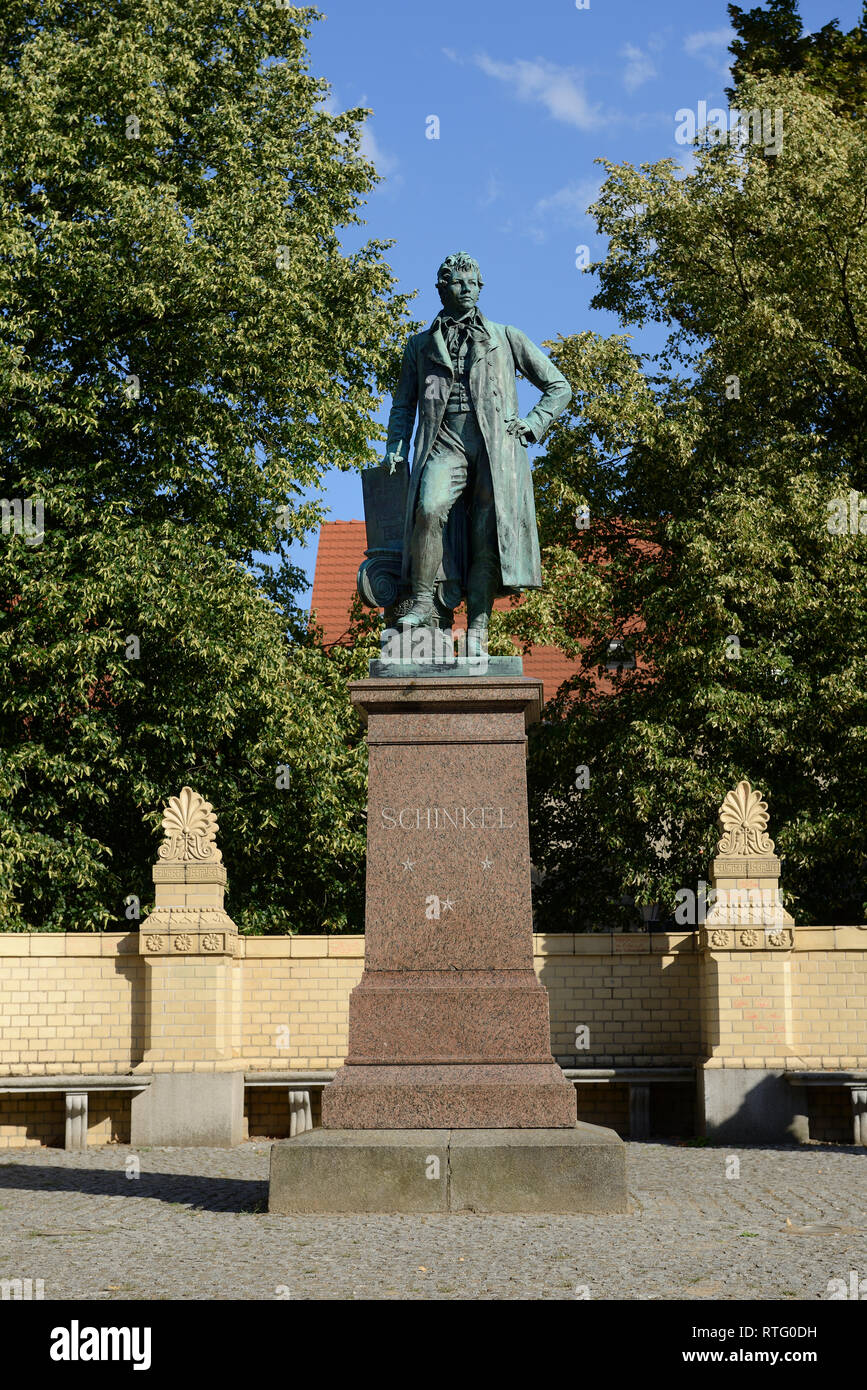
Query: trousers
[457,469]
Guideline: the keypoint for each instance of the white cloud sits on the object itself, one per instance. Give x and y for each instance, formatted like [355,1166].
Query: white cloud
[569,203]
[697,44]
[384,163]
[711,46]
[639,67]
[567,207]
[493,189]
[559,90]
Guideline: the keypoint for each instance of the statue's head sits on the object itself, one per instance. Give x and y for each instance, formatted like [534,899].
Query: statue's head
[459,282]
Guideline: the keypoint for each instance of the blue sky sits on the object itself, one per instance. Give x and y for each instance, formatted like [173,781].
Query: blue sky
[527,96]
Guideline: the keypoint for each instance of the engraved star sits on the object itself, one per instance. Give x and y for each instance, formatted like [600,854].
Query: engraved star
[487,863]
[408,865]
[447,904]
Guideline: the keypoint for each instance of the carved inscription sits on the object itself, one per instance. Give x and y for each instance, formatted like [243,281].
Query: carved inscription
[766,868]
[445,818]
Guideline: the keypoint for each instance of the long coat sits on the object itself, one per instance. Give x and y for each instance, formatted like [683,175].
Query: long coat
[497,352]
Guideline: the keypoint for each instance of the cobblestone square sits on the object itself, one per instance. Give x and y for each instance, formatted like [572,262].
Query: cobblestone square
[194,1225]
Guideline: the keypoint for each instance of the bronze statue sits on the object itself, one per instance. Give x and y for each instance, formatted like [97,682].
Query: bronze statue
[469,521]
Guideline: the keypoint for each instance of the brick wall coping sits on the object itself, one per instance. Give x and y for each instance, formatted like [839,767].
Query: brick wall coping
[818,938]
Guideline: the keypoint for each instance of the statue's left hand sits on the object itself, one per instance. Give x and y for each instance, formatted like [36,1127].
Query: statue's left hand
[521,429]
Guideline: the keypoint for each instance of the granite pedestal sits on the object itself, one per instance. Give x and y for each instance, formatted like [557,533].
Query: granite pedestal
[449,1028]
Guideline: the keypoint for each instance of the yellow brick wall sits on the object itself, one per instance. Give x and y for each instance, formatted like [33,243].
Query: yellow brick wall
[70,1002]
[108,1117]
[636,995]
[749,1008]
[32,1122]
[75,1003]
[191,1009]
[830,1111]
[85,1003]
[803,1010]
[604,1105]
[830,997]
[296,1000]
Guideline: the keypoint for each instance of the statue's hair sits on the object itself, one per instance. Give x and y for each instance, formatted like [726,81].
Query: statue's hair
[458,260]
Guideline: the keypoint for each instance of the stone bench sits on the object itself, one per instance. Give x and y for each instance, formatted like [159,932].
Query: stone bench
[639,1081]
[855,1082]
[299,1085]
[75,1089]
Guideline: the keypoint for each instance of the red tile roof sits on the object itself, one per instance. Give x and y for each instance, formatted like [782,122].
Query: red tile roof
[341,551]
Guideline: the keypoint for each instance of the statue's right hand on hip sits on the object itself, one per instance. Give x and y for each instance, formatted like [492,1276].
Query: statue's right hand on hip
[521,430]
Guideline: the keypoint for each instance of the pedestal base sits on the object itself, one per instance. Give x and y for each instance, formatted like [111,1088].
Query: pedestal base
[447,1017]
[577,1170]
[489,1096]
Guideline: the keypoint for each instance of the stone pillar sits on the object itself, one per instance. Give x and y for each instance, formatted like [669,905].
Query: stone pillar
[449,1027]
[300,1115]
[746,946]
[76,1120]
[192,999]
[859,1114]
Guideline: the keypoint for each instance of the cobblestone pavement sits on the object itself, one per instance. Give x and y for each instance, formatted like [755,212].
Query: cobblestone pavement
[194,1226]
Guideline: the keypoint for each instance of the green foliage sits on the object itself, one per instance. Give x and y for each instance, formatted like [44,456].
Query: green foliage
[709,473]
[219,698]
[772,40]
[184,350]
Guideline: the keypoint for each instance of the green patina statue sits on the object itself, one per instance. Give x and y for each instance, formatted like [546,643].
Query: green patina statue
[469,522]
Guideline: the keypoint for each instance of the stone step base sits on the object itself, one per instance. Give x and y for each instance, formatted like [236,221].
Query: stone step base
[449,1097]
[577,1170]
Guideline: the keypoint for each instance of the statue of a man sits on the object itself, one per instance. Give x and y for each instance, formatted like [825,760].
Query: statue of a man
[470,518]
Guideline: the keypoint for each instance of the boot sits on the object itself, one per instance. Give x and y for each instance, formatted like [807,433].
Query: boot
[421,613]
[480,598]
[477,641]
[425,560]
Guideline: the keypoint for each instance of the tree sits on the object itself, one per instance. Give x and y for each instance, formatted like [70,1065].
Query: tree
[772,41]
[184,349]
[714,474]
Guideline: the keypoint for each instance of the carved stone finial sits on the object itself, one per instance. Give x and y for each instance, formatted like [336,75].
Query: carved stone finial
[743,818]
[190,827]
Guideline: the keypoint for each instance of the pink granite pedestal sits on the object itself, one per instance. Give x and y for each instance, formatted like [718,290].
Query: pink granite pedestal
[449,1026]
